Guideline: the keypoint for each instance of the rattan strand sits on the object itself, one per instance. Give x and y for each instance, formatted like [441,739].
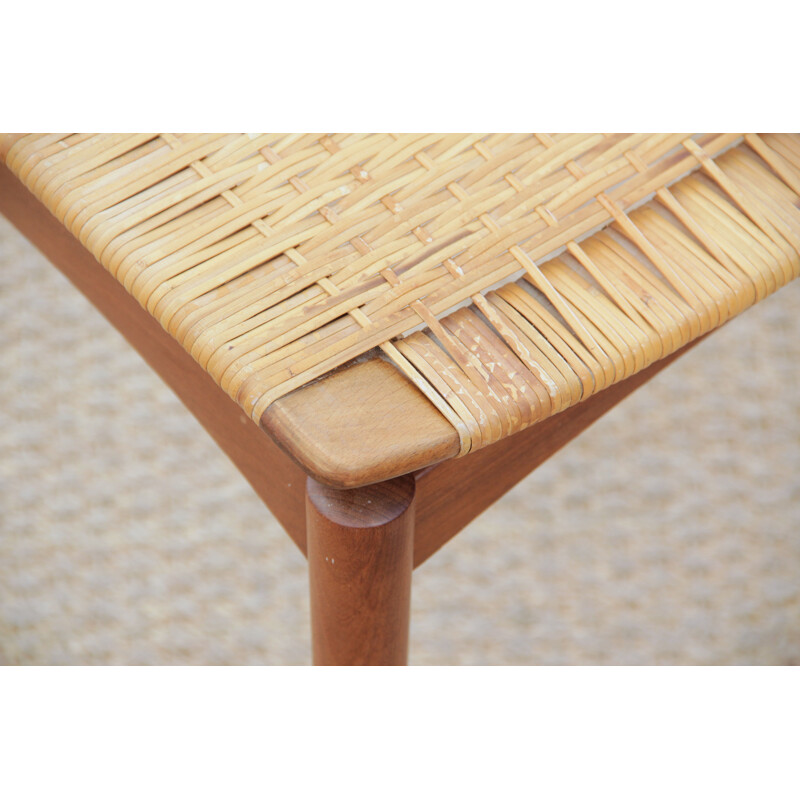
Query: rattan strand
[507,276]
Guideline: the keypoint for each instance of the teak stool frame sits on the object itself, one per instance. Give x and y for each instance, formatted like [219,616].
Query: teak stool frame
[362,541]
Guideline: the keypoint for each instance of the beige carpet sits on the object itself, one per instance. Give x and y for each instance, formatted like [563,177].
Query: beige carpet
[669,533]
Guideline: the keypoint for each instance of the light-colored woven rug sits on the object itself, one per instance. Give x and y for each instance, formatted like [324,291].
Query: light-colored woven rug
[669,533]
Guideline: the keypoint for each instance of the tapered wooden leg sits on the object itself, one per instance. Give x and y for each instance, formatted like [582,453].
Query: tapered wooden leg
[360,557]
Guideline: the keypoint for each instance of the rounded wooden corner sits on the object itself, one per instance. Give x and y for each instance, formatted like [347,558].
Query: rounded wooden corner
[363,424]
[373,506]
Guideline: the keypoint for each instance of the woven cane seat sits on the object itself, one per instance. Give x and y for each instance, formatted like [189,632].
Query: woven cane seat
[507,277]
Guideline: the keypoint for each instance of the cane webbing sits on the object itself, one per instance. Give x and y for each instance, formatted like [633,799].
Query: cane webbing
[274,259]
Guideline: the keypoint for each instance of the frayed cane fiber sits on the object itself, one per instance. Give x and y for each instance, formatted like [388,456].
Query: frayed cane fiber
[507,276]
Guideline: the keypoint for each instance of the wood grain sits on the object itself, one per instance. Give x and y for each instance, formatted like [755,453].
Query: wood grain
[361,424]
[360,558]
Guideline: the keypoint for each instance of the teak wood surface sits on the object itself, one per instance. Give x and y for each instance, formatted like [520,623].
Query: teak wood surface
[396,432]
[360,558]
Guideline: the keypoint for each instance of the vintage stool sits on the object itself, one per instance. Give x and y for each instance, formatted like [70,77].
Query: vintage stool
[381,330]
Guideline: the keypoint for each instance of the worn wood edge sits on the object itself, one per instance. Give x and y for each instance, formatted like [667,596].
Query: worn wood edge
[362,425]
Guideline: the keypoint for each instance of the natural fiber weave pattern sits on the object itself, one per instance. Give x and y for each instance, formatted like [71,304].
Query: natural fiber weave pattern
[274,259]
[684,551]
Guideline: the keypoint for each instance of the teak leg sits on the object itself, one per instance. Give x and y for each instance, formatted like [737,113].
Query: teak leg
[360,557]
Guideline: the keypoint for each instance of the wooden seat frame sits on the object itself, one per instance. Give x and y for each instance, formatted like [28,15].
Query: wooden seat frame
[358,467]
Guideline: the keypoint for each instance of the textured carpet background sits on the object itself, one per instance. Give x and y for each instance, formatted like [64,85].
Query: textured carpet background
[669,533]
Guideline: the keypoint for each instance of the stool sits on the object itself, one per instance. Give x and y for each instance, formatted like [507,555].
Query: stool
[386,332]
